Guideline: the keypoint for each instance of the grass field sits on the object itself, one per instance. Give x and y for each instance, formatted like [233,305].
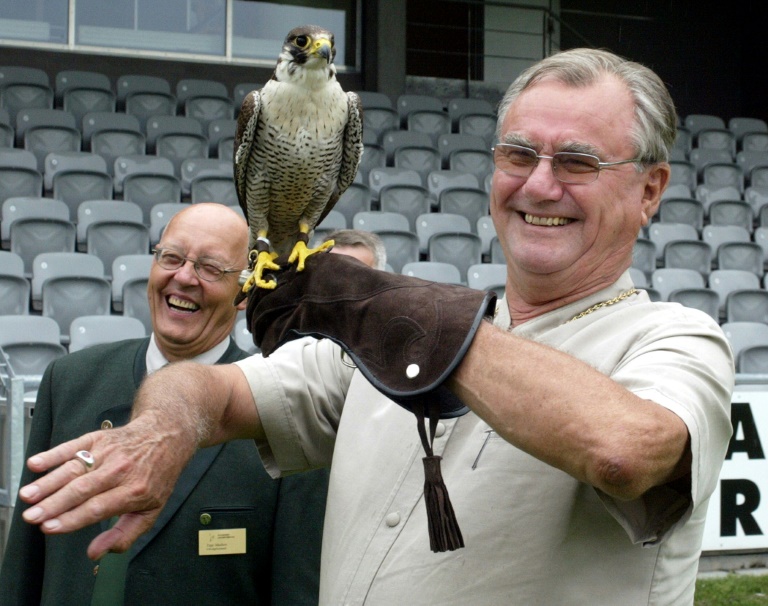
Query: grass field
[732,590]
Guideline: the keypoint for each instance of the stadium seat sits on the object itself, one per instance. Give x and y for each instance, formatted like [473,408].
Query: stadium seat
[477,163]
[371,99]
[682,210]
[94,211]
[488,276]
[377,220]
[143,164]
[80,101]
[745,334]
[715,235]
[126,268]
[747,305]
[487,231]
[31,343]
[240,91]
[717,138]
[380,120]
[86,331]
[391,141]
[243,337]
[438,180]
[24,88]
[740,126]
[43,131]
[447,144]
[110,239]
[683,141]
[357,198]
[194,168]
[32,236]
[220,130]
[703,299]
[7,132]
[459,107]
[421,159]
[683,173]
[741,255]
[112,135]
[402,247]
[14,286]
[662,233]
[189,88]
[408,103]
[74,177]
[753,359]
[433,271]
[755,141]
[471,202]
[68,79]
[144,96]
[460,248]
[644,256]
[391,175]
[691,254]
[19,174]
[726,281]
[497,253]
[638,276]
[429,224]
[696,122]
[62,264]
[429,122]
[666,279]
[408,200]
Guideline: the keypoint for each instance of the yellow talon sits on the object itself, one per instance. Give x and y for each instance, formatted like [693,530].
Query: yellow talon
[300,252]
[263,261]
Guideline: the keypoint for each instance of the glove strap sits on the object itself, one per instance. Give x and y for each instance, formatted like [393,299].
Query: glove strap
[444,531]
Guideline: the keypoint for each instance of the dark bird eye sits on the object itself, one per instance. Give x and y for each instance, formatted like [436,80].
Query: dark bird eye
[302,41]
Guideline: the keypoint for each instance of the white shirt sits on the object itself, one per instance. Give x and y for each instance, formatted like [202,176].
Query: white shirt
[155,359]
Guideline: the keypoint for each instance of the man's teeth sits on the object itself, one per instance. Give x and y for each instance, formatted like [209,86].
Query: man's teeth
[176,302]
[533,220]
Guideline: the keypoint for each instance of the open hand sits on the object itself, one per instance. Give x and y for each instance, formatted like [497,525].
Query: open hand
[134,472]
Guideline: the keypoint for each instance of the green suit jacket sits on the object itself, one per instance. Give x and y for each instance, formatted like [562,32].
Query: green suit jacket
[283,518]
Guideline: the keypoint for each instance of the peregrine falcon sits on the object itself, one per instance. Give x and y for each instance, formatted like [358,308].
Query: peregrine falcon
[297,147]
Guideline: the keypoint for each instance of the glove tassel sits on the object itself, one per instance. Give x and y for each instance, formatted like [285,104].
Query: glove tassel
[444,531]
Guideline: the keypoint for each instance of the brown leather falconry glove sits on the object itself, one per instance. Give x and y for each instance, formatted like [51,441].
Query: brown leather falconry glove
[406,335]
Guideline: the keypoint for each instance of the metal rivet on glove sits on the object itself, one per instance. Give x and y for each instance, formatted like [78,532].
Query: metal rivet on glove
[412,371]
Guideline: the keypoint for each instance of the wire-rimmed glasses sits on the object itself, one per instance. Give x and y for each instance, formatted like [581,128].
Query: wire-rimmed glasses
[567,167]
[205,270]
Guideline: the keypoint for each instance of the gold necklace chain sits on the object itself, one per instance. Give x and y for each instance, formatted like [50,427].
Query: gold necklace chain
[621,297]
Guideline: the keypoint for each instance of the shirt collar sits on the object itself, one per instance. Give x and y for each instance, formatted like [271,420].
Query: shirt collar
[560,315]
[156,360]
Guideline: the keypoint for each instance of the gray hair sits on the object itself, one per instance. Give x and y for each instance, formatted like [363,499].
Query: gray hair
[366,239]
[655,117]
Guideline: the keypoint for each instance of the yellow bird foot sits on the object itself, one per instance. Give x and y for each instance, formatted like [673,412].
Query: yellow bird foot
[264,261]
[300,252]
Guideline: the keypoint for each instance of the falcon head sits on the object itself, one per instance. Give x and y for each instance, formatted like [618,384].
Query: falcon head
[307,47]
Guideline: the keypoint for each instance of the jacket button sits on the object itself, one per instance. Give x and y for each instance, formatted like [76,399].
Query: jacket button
[440,430]
[392,519]
[106,424]
[205,519]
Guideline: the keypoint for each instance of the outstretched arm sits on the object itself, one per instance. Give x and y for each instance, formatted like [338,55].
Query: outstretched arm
[569,415]
[177,410]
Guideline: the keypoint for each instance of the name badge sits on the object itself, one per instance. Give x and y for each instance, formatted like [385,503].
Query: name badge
[221,542]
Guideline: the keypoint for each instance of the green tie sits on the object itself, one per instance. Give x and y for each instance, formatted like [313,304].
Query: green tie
[109,589]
